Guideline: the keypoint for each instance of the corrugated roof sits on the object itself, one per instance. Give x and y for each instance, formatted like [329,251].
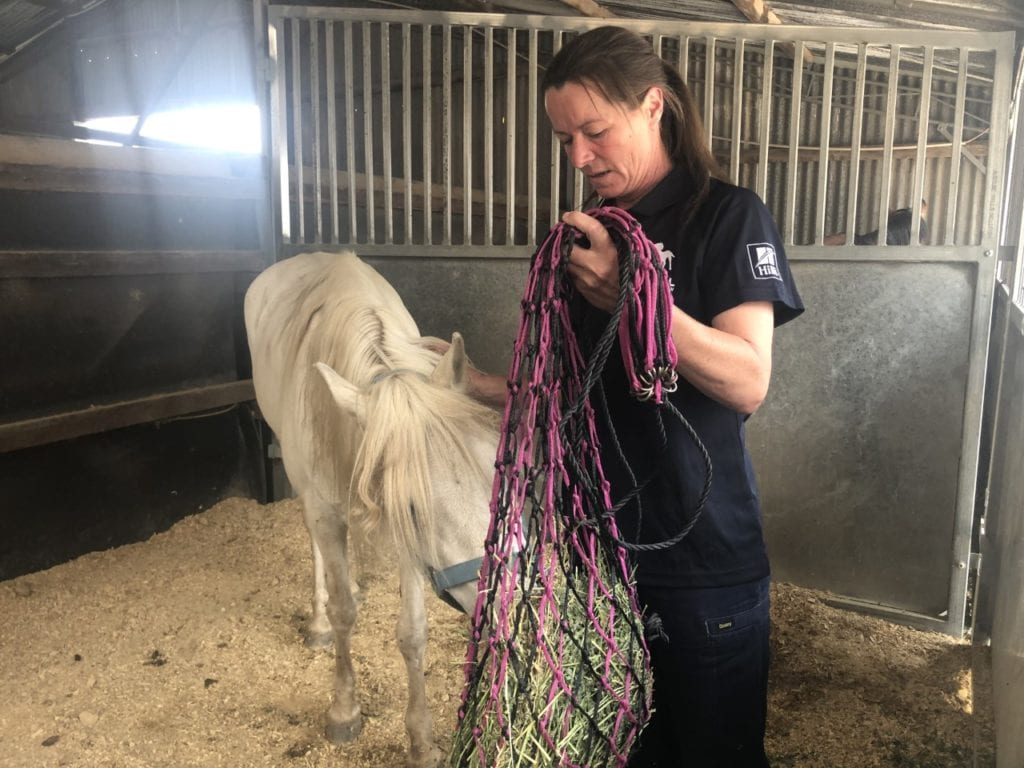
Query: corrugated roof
[24,21]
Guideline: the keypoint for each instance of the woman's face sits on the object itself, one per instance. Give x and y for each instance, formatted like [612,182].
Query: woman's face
[618,149]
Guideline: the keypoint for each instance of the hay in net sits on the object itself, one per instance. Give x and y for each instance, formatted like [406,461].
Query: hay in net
[557,671]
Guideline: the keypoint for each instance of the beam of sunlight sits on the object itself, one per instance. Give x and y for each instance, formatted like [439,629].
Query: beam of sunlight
[221,127]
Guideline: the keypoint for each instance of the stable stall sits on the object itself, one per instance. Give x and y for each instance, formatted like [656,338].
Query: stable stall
[888,451]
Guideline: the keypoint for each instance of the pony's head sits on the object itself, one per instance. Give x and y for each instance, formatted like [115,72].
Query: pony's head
[425,465]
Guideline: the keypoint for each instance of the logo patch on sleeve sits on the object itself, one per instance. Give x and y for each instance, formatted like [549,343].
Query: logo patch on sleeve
[763,261]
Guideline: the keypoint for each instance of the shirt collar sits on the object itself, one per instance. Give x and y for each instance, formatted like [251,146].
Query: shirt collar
[675,188]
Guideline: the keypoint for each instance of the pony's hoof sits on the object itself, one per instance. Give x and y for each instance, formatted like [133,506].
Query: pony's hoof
[342,733]
[318,639]
[429,759]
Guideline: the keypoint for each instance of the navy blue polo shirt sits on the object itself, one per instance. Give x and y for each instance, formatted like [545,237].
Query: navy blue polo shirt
[728,253]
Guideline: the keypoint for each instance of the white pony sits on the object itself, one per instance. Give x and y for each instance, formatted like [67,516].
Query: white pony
[390,440]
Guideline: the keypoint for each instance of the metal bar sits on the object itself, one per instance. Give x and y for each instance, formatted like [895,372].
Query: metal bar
[261,84]
[385,119]
[922,143]
[428,206]
[933,254]
[684,57]
[895,615]
[767,76]
[892,95]
[1013,164]
[737,112]
[368,134]
[314,101]
[446,128]
[556,156]
[709,90]
[978,356]
[531,144]
[439,251]
[925,254]
[846,35]
[299,175]
[1016,287]
[103,418]
[577,189]
[332,129]
[952,198]
[279,130]
[467,135]
[855,140]
[488,136]
[407,127]
[510,139]
[350,131]
[824,136]
[794,143]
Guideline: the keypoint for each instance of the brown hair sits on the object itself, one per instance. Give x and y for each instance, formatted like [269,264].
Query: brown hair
[622,66]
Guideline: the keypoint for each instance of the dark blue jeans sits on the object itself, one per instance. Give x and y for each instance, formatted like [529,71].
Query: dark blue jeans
[710,677]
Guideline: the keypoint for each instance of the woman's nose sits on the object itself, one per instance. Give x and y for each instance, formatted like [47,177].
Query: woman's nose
[580,153]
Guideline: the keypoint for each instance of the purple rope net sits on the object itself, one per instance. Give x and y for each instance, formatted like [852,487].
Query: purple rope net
[557,670]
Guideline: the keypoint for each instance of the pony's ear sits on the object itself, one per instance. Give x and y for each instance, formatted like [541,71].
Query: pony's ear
[345,395]
[452,370]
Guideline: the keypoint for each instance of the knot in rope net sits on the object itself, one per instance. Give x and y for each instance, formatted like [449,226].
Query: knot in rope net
[557,671]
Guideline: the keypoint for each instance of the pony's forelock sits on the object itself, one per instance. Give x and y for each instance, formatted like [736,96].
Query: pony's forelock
[409,421]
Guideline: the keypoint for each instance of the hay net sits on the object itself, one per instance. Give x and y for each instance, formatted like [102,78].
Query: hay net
[557,670]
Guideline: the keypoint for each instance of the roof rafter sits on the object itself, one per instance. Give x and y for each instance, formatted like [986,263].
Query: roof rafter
[590,8]
[757,11]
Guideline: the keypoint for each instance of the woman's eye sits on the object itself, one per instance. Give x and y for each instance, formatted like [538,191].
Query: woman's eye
[597,134]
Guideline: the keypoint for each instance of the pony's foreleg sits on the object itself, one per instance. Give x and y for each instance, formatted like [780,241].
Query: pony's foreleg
[318,631]
[329,529]
[412,640]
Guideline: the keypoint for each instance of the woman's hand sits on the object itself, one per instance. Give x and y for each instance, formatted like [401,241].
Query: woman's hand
[487,388]
[594,266]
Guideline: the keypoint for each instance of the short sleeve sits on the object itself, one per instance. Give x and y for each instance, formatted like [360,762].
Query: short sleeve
[744,258]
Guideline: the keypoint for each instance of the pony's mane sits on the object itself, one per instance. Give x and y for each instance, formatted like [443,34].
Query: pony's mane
[409,422]
[408,419]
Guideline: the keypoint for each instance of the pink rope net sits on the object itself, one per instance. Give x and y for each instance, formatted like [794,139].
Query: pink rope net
[557,670]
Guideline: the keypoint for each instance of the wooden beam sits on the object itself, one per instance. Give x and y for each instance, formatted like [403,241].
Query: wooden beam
[39,178]
[44,264]
[590,8]
[68,153]
[103,418]
[757,11]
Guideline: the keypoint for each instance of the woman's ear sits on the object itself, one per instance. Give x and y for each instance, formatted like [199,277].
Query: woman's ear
[654,104]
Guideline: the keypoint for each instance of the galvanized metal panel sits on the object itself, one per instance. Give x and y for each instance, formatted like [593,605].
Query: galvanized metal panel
[857,445]
[1002,566]
[472,297]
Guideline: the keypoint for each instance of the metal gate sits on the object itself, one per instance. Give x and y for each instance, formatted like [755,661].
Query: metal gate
[412,135]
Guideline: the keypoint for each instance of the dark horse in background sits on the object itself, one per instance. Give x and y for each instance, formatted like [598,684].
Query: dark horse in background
[897,229]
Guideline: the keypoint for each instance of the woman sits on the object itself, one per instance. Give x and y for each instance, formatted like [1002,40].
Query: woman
[627,121]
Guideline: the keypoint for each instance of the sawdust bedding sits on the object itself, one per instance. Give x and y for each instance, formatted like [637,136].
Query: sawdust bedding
[185,650]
